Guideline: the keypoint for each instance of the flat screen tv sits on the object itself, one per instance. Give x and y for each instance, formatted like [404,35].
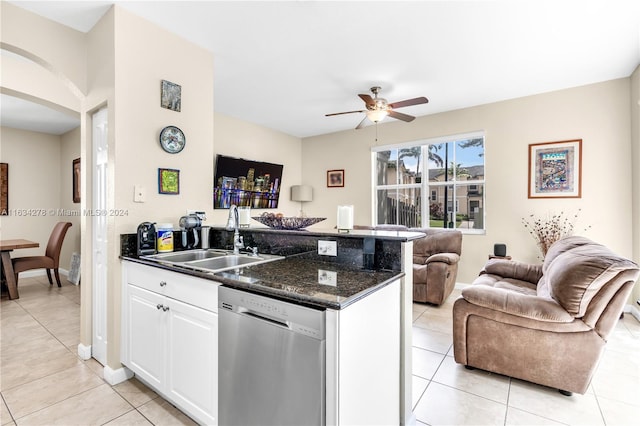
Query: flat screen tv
[254,184]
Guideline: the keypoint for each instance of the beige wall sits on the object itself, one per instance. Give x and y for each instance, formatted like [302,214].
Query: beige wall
[237,138]
[39,172]
[598,114]
[635,143]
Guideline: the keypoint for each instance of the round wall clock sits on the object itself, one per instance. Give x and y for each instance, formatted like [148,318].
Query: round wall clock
[172,139]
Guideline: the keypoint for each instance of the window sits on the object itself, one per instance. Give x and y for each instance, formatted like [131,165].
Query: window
[449,170]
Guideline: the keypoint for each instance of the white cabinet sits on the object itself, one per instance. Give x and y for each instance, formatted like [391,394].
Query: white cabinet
[170,337]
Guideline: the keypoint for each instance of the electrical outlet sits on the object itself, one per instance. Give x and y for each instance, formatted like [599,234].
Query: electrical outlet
[327,277]
[139,194]
[327,248]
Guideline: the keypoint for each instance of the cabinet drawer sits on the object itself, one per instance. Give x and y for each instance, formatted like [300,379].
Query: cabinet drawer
[192,290]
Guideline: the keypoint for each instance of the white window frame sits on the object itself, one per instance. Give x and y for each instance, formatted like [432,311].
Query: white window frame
[425,185]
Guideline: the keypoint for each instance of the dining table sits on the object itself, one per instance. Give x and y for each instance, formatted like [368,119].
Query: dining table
[6,247]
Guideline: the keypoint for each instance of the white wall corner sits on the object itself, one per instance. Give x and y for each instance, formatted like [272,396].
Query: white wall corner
[634,310]
[113,377]
[84,351]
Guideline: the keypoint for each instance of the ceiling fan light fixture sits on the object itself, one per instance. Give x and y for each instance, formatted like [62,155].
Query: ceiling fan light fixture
[377,115]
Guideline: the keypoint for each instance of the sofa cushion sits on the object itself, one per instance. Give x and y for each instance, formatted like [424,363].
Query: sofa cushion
[574,276]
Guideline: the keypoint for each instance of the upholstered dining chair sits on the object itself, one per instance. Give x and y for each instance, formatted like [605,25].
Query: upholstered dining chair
[51,258]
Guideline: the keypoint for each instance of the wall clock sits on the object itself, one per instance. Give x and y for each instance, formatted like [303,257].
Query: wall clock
[172,139]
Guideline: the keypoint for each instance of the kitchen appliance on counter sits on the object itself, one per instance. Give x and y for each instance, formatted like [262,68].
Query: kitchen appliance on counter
[259,382]
[146,240]
[191,222]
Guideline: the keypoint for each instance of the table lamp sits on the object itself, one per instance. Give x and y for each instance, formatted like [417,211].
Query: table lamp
[302,193]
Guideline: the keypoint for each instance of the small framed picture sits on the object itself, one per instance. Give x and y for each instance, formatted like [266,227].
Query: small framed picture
[555,169]
[168,181]
[170,96]
[76,180]
[335,178]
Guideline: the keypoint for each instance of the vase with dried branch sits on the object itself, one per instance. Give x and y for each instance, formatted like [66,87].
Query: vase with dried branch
[548,230]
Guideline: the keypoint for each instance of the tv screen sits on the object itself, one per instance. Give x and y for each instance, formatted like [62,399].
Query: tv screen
[254,184]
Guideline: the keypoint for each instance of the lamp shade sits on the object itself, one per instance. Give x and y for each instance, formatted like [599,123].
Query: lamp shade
[301,193]
[377,115]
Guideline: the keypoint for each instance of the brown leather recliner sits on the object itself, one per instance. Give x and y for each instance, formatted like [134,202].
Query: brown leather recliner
[549,323]
[435,264]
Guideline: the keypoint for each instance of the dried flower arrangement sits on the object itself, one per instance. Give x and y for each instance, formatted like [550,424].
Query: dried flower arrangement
[547,231]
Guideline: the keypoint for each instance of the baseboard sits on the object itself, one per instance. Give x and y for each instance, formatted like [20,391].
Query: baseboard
[460,286]
[633,310]
[42,272]
[113,377]
[84,351]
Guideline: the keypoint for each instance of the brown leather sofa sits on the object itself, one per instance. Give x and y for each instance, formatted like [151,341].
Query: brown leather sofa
[435,264]
[549,323]
[435,261]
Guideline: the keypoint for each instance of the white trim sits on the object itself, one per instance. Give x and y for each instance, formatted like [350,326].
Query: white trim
[84,351]
[633,310]
[113,377]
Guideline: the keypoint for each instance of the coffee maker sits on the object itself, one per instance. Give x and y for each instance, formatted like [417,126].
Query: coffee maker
[192,222]
[147,238]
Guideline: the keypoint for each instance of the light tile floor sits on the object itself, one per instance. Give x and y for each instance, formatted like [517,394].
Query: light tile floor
[445,393]
[43,382]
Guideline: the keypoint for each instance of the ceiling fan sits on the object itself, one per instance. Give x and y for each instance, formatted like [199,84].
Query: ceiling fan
[379,108]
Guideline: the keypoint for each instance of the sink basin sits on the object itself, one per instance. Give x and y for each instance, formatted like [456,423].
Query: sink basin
[211,260]
[227,262]
[187,256]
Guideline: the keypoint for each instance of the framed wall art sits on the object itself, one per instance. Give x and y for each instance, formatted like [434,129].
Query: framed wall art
[76,180]
[4,189]
[170,96]
[335,178]
[168,181]
[555,169]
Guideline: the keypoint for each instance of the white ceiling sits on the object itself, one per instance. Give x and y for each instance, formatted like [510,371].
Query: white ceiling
[285,64]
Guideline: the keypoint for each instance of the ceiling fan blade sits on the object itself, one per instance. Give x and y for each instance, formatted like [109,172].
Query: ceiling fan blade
[362,123]
[409,102]
[367,100]
[400,116]
[340,113]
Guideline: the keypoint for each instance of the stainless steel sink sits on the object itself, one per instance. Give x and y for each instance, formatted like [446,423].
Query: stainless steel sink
[211,260]
[187,256]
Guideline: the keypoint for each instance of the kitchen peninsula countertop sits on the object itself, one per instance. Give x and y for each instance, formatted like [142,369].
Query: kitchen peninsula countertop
[295,279]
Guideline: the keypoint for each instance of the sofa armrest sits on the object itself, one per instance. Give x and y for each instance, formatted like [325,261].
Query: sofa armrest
[518,304]
[513,269]
[448,258]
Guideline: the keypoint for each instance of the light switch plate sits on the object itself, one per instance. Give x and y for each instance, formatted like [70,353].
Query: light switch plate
[327,277]
[327,248]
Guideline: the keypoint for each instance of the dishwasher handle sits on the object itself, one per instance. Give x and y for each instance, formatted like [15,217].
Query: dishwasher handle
[255,315]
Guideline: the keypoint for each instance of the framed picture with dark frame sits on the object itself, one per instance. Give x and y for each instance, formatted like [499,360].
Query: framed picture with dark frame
[555,169]
[169,181]
[76,180]
[4,189]
[335,178]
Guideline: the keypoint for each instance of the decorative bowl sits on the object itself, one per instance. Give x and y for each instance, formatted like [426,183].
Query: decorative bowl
[275,222]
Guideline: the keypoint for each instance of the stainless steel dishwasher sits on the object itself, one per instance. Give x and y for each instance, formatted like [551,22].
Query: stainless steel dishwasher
[271,364]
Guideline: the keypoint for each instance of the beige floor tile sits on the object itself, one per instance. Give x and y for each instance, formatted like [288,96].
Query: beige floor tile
[549,403]
[632,324]
[431,340]
[617,412]
[614,361]
[41,393]
[160,413]
[516,417]
[442,405]
[617,386]
[35,366]
[135,392]
[478,382]
[425,363]
[418,387]
[40,342]
[95,366]
[432,319]
[5,416]
[93,407]
[132,418]
[17,333]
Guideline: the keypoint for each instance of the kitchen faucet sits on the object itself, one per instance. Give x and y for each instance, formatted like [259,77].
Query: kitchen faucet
[233,225]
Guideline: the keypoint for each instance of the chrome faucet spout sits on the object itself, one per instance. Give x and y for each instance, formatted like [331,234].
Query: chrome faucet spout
[233,224]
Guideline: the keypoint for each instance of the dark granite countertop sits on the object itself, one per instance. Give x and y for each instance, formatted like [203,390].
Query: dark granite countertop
[295,279]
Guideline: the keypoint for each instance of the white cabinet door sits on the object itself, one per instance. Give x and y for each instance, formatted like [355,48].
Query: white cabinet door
[146,335]
[192,359]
